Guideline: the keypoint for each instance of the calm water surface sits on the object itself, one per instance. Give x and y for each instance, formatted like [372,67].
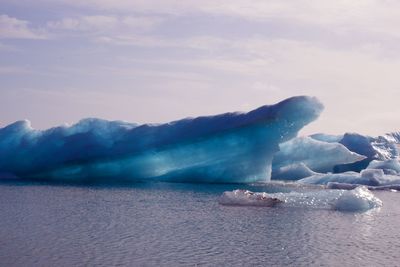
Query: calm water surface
[164,224]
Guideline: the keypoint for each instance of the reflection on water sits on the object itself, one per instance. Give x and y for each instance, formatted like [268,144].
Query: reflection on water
[183,224]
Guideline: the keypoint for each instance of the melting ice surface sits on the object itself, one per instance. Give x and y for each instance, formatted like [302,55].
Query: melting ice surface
[247,198]
[232,147]
[359,199]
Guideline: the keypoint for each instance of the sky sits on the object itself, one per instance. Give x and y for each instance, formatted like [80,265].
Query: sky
[161,60]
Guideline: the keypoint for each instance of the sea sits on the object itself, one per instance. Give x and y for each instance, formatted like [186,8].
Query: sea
[175,224]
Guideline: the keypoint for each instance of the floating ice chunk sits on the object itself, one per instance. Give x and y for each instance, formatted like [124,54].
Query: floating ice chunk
[292,172]
[314,199]
[391,166]
[359,199]
[379,148]
[247,198]
[317,155]
[232,147]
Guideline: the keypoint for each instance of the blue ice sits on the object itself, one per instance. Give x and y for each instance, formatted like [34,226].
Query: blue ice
[232,147]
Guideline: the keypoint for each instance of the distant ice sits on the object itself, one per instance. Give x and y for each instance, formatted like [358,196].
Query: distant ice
[329,138]
[373,148]
[391,166]
[370,177]
[319,156]
[293,171]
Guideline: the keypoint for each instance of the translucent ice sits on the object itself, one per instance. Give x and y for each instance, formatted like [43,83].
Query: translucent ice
[370,177]
[232,147]
[247,198]
[317,155]
[294,171]
[346,177]
[390,187]
[391,166]
[358,199]
[374,148]
[327,137]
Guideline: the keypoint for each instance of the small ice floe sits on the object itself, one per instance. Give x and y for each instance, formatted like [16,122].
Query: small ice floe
[359,199]
[241,197]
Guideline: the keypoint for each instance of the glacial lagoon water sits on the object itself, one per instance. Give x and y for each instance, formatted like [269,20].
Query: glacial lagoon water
[173,224]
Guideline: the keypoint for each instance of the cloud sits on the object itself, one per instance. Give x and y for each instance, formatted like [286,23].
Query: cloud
[105,23]
[254,52]
[321,12]
[13,28]
[7,48]
[7,70]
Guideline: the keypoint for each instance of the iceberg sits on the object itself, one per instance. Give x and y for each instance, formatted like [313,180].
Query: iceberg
[226,148]
[373,148]
[319,156]
[391,166]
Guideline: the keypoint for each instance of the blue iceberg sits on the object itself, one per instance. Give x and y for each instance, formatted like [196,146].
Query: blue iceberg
[391,166]
[232,147]
[300,153]
[380,148]
[293,171]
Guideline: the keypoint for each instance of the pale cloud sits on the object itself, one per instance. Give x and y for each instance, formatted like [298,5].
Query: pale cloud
[167,54]
[342,16]
[7,48]
[8,70]
[13,28]
[197,42]
[105,23]
[358,87]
